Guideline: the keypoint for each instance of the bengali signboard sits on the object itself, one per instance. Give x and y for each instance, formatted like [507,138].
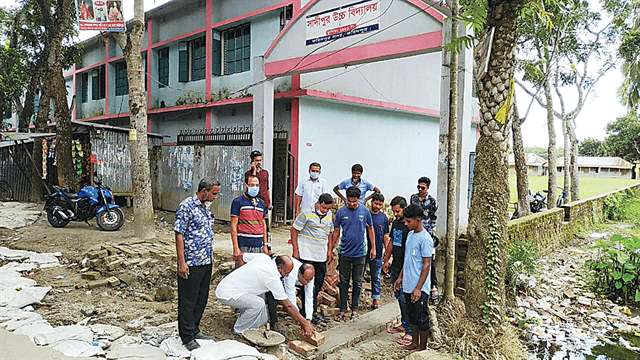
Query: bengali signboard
[352,19]
[102,15]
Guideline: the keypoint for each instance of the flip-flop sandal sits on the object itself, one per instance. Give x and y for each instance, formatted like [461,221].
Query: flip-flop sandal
[395,330]
[406,339]
[341,317]
[354,315]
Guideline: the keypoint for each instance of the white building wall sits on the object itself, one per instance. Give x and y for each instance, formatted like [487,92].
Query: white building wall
[412,81]
[394,148]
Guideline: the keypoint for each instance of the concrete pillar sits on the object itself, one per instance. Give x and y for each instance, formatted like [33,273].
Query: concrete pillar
[263,115]
[441,190]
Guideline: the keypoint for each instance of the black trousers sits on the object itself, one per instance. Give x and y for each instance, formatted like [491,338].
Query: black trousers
[321,270]
[193,294]
[272,309]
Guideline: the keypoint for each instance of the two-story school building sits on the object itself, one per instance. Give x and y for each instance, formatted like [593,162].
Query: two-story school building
[384,114]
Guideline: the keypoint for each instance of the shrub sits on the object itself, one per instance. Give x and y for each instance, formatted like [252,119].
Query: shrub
[615,271]
[521,263]
[622,206]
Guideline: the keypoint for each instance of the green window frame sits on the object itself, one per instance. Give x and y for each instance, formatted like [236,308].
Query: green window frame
[122,82]
[163,67]
[84,87]
[237,49]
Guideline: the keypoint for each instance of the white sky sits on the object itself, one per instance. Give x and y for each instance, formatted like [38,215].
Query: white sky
[602,106]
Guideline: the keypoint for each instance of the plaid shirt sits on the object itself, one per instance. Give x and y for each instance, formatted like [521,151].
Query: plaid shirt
[429,209]
[195,222]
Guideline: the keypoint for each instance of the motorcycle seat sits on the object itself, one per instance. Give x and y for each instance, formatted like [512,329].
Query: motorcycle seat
[72,196]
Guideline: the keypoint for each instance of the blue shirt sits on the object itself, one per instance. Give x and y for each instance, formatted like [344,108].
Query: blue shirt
[363,185]
[380,228]
[353,223]
[418,246]
[195,222]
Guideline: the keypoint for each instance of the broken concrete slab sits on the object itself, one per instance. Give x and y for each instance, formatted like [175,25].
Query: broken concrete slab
[135,351]
[15,215]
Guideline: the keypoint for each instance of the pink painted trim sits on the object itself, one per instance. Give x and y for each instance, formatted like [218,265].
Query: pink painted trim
[179,37]
[372,103]
[90,67]
[212,104]
[73,86]
[421,5]
[149,69]
[207,119]
[209,50]
[251,14]
[69,73]
[116,59]
[407,46]
[428,9]
[106,77]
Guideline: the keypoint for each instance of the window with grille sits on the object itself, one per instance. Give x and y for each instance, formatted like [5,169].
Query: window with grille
[122,83]
[285,15]
[192,60]
[98,83]
[237,49]
[163,67]
[84,87]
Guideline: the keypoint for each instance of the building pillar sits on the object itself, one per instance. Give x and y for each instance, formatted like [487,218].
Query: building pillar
[208,59]
[441,194]
[149,72]
[263,115]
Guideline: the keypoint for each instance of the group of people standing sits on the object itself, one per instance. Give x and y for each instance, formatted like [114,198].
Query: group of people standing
[402,250]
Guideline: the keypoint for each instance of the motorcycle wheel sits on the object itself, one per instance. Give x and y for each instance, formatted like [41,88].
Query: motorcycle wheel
[110,220]
[56,220]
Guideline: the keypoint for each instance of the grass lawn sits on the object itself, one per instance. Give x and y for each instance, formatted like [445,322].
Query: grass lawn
[589,186]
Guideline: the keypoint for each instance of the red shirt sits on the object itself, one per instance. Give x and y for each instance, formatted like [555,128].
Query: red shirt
[263,193]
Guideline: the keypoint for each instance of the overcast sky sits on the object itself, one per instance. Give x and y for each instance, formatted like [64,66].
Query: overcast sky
[602,106]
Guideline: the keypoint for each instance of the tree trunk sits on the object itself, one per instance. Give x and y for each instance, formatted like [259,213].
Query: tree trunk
[519,157]
[144,225]
[573,162]
[40,126]
[24,118]
[486,265]
[551,150]
[452,160]
[566,168]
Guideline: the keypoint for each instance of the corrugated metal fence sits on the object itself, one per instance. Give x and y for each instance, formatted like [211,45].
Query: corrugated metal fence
[15,172]
[182,167]
[113,164]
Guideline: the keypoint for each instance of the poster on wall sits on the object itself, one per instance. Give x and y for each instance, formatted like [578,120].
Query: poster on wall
[355,18]
[102,15]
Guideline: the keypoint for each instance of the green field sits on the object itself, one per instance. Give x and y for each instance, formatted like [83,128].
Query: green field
[589,186]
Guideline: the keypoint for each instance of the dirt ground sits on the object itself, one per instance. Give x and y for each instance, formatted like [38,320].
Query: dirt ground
[144,268]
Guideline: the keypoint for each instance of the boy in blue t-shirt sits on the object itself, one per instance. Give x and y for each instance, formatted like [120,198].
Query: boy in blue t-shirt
[354,222]
[414,279]
[381,231]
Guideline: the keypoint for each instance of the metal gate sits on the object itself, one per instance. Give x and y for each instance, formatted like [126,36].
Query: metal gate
[221,154]
[15,172]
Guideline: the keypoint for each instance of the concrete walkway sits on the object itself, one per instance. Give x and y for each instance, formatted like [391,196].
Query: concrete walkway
[355,331]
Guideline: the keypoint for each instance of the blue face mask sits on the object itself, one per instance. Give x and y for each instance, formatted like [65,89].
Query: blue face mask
[252,191]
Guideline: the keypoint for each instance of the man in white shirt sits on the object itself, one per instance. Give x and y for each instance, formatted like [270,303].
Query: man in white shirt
[245,288]
[310,189]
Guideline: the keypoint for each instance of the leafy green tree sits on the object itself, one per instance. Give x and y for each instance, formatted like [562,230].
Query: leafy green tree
[623,138]
[591,147]
[627,20]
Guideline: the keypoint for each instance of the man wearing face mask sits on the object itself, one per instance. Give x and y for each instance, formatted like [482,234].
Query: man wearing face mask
[310,239]
[245,288]
[248,225]
[194,246]
[310,189]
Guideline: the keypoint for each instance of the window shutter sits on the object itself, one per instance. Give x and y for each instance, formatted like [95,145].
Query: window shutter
[217,55]
[183,63]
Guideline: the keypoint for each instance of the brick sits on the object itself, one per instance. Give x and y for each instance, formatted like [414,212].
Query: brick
[330,312]
[324,298]
[98,283]
[96,262]
[114,265]
[366,286]
[91,275]
[113,281]
[301,347]
[316,339]
[144,262]
[330,289]
[98,254]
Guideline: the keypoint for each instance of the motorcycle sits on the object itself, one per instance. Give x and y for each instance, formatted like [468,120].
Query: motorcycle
[96,201]
[537,203]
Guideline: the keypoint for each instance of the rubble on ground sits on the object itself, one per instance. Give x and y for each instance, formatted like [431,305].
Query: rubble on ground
[562,313]
[14,215]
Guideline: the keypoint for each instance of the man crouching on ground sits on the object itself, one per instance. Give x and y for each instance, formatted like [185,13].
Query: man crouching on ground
[414,278]
[194,246]
[246,287]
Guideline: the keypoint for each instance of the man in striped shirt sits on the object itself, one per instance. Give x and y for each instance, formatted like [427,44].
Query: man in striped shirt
[248,225]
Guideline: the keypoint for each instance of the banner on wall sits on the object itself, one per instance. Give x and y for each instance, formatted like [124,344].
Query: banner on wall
[351,19]
[102,15]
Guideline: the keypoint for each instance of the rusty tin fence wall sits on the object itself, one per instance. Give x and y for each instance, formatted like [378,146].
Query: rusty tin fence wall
[182,167]
[15,172]
[114,159]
